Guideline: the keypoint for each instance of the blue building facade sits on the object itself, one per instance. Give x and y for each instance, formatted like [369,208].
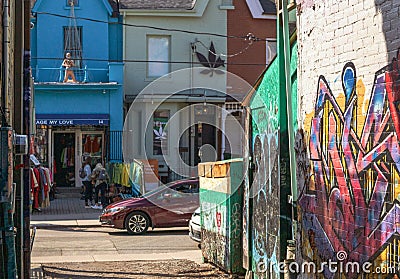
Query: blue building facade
[85,114]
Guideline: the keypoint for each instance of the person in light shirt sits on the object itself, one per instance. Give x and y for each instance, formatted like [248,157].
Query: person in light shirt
[68,63]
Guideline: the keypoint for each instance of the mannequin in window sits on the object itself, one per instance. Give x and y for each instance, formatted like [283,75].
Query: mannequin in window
[68,63]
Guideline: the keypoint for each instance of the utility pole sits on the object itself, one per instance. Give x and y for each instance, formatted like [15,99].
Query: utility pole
[7,246]
[27,131]
[18,127]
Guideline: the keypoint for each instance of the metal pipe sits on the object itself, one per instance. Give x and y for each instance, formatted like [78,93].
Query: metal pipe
[17,125]
[288,83]
[5,62]
[27,131]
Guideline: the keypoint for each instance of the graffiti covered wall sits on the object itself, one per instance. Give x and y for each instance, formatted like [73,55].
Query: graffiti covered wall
[265,207]
[264,190]
[348,138]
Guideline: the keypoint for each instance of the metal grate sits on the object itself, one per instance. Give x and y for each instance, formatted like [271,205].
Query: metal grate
[233,107]
[37,273]
[114,151]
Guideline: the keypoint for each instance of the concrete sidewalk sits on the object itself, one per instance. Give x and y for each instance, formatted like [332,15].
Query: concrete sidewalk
[66,210]
[193,255]
[65,222]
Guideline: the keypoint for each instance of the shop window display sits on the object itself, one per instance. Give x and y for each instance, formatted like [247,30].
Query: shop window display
[92,144]
[41,147]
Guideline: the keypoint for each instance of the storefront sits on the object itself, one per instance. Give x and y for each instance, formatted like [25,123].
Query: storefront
[62,139]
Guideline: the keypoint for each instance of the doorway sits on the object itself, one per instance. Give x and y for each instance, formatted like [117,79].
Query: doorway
[64,159]
[205,143]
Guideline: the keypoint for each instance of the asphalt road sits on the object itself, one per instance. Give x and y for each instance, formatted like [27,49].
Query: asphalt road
[82,244]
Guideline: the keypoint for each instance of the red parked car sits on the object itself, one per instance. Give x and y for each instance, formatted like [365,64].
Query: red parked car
[170,205]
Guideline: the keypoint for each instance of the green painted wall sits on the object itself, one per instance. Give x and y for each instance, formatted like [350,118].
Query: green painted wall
[268,225]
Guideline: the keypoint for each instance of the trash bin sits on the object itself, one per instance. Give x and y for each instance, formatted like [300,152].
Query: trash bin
[221,202]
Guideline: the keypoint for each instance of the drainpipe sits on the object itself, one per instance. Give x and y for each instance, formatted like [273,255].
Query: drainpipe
[5,62]
[288,83]
[192,53]
[17,125]
[27,131]
[284,32]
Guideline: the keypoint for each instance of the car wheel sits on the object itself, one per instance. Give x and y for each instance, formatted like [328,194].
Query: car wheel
[137,223]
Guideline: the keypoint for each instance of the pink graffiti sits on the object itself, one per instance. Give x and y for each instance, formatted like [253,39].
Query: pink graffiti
[344,212]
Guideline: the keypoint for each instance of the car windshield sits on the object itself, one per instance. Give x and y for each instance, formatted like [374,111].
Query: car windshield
[158,189]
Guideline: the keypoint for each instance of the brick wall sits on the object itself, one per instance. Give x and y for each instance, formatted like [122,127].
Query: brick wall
[240,23]
[349,119]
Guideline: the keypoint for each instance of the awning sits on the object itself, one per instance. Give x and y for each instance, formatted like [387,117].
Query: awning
[72,119]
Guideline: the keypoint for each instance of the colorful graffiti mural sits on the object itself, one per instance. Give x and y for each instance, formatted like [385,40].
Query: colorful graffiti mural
[264,190]
[267,219]
[351,201]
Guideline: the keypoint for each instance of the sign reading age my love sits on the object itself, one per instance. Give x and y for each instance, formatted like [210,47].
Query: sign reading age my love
[71,119]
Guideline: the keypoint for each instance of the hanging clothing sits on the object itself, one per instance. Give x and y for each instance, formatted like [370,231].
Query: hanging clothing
[125,176]
[96,145]
[87,146]
[35,187]
[68,157]
[45,187]
[117,173]
[92,145]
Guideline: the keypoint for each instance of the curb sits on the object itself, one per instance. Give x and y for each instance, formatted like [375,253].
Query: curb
[66,223]
[46,226]
[192,255]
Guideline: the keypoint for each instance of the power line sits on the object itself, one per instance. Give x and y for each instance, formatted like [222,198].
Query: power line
[249,44]
[249,36]
[147,61]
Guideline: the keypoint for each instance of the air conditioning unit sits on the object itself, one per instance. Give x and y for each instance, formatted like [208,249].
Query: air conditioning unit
[20,144]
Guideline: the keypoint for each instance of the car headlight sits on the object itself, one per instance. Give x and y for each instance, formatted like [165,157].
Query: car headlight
[113,209]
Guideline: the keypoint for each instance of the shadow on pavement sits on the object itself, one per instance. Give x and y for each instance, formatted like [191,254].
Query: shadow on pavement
[135,269]
[154,233]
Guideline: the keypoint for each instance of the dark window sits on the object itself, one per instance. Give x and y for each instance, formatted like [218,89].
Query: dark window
[73,43]
[69,2]
[160,132]
[188,188]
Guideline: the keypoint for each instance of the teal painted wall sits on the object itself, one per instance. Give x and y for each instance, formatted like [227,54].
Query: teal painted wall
[267,226]
[101,37]
[101,44]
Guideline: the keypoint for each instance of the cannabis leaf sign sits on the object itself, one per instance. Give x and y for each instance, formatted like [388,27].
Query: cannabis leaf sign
[213,62]
[160,134]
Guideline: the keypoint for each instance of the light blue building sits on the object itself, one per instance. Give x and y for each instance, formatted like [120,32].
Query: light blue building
[83,114]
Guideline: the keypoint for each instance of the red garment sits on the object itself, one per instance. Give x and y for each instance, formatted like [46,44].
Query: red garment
[96,144]
[54,166]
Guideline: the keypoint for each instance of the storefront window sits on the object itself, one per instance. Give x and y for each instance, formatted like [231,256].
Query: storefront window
[41,150]
[92,144]
[160,133]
